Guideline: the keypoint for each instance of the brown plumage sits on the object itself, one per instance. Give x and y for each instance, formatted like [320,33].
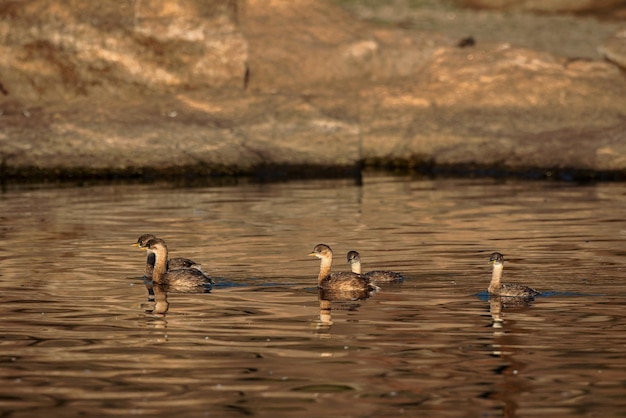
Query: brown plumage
[172,263]
[183,279]
[496,287]
[378,276]
[343,281]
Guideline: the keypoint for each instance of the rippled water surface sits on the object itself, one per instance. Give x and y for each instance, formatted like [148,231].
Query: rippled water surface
[80,337]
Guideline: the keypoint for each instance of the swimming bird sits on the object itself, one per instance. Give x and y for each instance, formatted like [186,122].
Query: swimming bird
[181,279]
[172,263]
[378,276]
[343,281]
[496,287]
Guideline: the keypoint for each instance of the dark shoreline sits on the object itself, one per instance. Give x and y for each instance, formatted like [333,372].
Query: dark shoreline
[200,175]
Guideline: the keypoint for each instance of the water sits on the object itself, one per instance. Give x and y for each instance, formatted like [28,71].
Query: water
[79,336]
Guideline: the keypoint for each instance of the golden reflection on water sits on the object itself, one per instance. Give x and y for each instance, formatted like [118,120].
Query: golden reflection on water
[80,336]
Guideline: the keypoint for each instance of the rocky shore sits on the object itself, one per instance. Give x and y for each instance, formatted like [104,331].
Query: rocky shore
[305,88]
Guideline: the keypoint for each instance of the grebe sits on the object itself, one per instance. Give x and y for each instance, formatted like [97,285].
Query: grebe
[181,279]
[354,259]
[343,281]
[506,289]
[172,263]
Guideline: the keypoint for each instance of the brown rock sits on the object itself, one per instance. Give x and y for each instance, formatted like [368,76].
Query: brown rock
[614,48]
[495,107]
[550,6]
[54,49]
[202,87]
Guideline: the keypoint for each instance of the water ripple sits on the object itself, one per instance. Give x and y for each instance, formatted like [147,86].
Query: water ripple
[80,336]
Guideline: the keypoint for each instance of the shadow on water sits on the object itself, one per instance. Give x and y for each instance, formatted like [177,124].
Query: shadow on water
[484,296]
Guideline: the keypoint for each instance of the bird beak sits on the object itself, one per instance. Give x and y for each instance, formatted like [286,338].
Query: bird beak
[311,255]
[134,245]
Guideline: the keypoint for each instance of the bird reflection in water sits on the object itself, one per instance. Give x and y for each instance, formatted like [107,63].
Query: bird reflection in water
[161,305]
[498,303]
[508,383]
[328,296]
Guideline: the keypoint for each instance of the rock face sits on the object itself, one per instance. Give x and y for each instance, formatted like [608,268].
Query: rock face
[614,48]
[550,6]
[155,87]
[54,49]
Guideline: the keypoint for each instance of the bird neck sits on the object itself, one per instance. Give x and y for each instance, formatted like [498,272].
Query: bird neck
[324,269]
[147,272]
[355,266]
[496,278]
[160,265]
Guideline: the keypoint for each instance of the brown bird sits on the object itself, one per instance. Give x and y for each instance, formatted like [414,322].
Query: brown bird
[496,287]
[343,281]
[377,276]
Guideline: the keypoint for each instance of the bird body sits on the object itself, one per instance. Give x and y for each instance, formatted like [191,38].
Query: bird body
[379,276]
[496,287]
[343,281]
[172,263]
[179,279]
